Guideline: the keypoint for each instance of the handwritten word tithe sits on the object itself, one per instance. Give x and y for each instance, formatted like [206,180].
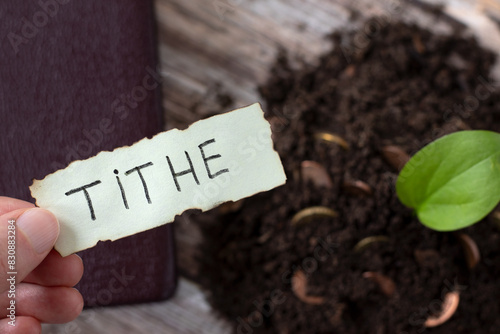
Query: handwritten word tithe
[139,187]
[138,172]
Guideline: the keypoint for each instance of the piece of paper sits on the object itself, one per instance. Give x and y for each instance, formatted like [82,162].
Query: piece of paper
[139,187]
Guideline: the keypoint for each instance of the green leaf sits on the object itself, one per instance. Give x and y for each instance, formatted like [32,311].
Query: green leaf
[454,181]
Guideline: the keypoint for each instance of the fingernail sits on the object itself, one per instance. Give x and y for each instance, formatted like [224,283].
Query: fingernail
[41,228]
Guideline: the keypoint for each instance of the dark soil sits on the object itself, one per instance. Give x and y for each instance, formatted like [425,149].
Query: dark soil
[406,88]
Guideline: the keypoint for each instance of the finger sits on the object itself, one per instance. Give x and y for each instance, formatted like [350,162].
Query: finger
[24,243]
[54,305]
[22,325]
[56,270]
[8,204]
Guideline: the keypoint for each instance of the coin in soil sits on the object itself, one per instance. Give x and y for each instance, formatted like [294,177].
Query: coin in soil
[450,305]
[357,188]
[385,284]
[332,138]
[368,241]
[395,156]
[471,251]
[314,212]
[299,288]
[314,172]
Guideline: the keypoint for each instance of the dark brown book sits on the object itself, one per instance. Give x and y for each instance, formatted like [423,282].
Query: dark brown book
[77,78]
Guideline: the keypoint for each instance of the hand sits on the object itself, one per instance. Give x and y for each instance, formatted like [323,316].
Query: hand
[44,279]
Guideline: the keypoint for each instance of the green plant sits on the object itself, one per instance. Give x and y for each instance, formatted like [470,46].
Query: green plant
[454,181]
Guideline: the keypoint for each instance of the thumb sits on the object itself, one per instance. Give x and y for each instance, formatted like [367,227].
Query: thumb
[26,237]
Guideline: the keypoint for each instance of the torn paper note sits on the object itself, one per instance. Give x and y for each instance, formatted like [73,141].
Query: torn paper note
[139,187]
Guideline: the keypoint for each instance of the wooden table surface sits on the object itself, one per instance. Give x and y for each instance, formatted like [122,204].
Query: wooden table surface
[210,49]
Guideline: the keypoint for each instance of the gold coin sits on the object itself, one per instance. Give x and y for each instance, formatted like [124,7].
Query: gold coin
[450,304]
[357,188]
[366,242]
[332,138]
[395,156]
[472,254]
[299,288]
[385,284]
[314,172]
[308,214]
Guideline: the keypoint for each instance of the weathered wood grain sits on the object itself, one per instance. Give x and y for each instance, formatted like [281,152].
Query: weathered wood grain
[233,43]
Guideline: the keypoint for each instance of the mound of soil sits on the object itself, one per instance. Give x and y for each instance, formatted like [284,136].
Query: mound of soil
[406,87]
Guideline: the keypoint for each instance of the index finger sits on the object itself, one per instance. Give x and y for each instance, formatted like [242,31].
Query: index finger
[8,204]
